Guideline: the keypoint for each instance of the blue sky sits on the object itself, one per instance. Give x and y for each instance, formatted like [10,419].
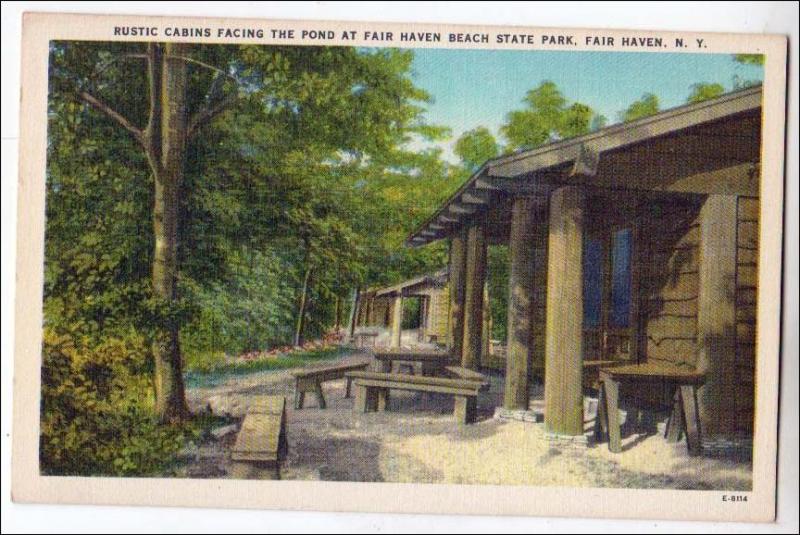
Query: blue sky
[479,87]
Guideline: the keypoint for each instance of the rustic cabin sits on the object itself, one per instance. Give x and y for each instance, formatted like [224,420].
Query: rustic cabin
[632,248]
[379,312]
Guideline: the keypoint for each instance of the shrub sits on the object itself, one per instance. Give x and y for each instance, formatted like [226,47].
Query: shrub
[96,410]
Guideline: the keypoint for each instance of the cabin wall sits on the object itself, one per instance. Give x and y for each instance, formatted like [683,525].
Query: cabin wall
[669,255]
[746,294]
[439,313]
[381,312]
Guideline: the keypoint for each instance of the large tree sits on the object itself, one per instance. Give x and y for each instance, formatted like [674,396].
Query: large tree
[547,116]
[283,173]
[475,147]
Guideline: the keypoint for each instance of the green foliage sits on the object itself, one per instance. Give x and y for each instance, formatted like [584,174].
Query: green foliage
[475,147]
[749,59]
[547,117]
[497,273]
[644,107]
[96,410]
[704,91]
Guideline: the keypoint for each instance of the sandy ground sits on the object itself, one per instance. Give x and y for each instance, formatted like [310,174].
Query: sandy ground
[418,441]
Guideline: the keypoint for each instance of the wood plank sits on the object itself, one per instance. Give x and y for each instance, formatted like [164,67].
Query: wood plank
[676,351]
[748,235]
[746,313]
[684,308]
[470,390]
[747,276]
[746,296]
[745,331]
[412,379]
[672,327]
[746,257]
[749,208]
[682,286]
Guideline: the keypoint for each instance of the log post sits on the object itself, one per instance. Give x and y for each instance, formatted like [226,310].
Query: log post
[458,258]
[522,249]
[564,326]
[397,320]
[486,339]
[473,295]
[716,316]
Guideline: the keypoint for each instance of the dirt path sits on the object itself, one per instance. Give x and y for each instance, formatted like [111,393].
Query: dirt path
[417,441]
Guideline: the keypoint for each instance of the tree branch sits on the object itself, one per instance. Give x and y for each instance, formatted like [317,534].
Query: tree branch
[207,113]
[105,108]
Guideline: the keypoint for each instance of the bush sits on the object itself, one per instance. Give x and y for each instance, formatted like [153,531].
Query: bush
[96,410]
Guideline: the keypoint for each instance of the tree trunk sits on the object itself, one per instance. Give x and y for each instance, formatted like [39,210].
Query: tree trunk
[354,312]
[166,138]
[338,314]
[301,312]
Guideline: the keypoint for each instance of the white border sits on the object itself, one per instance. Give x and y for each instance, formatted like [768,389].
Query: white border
[746,17]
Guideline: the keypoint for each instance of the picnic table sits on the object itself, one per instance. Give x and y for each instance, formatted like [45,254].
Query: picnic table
[684,381]
[426,362]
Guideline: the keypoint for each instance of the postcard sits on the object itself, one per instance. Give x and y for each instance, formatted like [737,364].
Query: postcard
[398,267]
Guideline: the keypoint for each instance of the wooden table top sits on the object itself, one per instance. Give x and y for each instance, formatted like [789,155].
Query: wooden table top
[410,354]
[655,371]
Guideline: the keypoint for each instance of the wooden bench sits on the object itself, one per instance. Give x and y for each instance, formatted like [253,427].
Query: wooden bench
[683,381]
[459,372]
[261,444]
[311,381]
[372,391]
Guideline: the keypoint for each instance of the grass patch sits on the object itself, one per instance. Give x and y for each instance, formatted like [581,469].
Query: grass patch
[214,374]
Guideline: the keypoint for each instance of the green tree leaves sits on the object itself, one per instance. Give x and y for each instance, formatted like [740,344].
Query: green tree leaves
[647,105]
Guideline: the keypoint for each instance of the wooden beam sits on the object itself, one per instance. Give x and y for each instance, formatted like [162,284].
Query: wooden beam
[473,295]
[458,259]
[716,316]
[397,320]
[478,197]
[564,325]
[521,291]
[456,208]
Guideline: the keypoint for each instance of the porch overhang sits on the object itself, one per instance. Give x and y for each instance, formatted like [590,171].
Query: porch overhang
[703,148]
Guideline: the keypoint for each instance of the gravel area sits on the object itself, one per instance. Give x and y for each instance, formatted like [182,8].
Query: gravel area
[418,441]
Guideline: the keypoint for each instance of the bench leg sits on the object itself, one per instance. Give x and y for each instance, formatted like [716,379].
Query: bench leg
[688,393]
[299,399]
[320,396]
[254,470]
[347,387]
[601,418]
[612,400]
[366,399]
[383,398]
[675,423]
[465,410]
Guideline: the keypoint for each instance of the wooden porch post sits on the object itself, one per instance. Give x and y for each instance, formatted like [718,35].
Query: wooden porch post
[716,316]
[487,325]
[397,320]
[522,249]
[458,256]
[564,326]
[473,295]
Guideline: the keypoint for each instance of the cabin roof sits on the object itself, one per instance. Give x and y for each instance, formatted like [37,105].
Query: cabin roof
[575,161]
[409,286]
